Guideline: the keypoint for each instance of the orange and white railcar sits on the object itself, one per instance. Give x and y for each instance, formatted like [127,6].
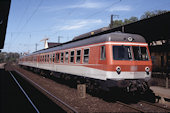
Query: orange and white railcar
[111,57]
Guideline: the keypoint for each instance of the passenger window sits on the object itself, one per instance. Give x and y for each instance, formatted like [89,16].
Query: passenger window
[72,56]
[48,58]
[66,57]
[103,53]
[57,57]
[45,58]
[62,55]
[86,56]
[78,56]
[53,57]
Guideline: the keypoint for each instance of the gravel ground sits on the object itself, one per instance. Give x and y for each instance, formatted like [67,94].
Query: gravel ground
[149,108]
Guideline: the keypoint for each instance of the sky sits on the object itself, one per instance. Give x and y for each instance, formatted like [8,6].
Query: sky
[33,20]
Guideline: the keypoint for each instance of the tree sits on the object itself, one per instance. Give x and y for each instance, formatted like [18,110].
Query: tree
[117,23]
[133,19]
[8,57]
[130,20]
[149,14]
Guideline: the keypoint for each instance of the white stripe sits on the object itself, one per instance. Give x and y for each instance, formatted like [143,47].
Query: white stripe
[24,93]
[91,72]
[124,43]
[106,43]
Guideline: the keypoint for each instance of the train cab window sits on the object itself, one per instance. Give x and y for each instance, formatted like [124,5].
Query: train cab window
[66,57]
[78,56]
[86,56]
[140,53]
[62,55]
[102,53]
[122,53]
[72,56]
[57,57]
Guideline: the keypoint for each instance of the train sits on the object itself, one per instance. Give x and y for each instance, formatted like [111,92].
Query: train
[104,62]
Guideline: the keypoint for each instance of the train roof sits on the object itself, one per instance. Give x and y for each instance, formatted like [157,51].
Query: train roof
[115,36]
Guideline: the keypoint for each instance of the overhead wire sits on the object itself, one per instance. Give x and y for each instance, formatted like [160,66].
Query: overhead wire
[27,21]
[23,15]
[41,1]
[70,13]
[103,9]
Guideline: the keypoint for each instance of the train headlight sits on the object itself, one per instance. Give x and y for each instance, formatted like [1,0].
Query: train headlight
[147,70]
[118,70]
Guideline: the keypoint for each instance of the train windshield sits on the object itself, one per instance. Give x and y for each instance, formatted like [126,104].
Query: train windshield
[122,53]
[140,53]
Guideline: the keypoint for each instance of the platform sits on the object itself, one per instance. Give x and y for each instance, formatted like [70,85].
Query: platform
[15,100]
[2,65]
[163,93]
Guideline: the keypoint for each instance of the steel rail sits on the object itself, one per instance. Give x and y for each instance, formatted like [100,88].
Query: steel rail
[130,107]
[24,92]
[155,105]
[69,107]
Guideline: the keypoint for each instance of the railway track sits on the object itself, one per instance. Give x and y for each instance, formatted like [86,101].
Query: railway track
[61,103]
[129,106]
[155,105]
[144,106]
[24,93]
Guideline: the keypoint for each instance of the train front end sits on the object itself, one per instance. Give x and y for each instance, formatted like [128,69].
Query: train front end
[131,64]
